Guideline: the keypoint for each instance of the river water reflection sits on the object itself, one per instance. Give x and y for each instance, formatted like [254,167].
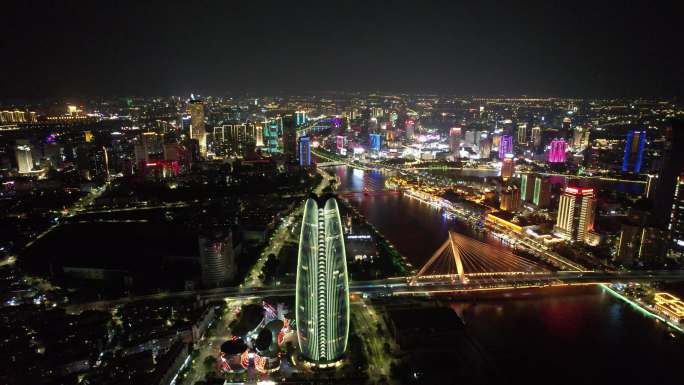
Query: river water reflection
[564,335]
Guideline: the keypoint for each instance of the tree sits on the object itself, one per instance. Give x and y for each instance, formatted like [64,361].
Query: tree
[209,363]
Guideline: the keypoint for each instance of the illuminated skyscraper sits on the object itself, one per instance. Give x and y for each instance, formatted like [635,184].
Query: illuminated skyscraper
[510,199]
[289,137]
[676,226]
[541,197]
[217,258]
[634,151]
[557,151]
[576,213]
[536,137]
[322,291]
[375,140]
[197,130]
[304,151]
[505,146]
[507,167]
[24,158]
[300,118]
[526,187]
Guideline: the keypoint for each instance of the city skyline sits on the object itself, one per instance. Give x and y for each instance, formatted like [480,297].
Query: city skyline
[584,49]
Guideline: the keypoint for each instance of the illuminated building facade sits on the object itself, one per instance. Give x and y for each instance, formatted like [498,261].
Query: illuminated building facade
[526,187]
[322,290]
[510,199]
[676,226]
[24,158]
[305,151]
[557,151]
[300,118]
[670,305]
[634,151]
[289,137]
[217,258]
[536,136]
[541,197]
[507,167]
[505,146]
[576,213]
[197,129]
[375,140]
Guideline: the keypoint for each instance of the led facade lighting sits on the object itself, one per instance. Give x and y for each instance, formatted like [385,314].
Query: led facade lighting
[322,293]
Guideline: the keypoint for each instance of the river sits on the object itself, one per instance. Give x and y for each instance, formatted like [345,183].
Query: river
[561,335]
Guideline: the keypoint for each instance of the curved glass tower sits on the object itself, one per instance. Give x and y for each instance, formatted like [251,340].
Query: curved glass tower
[322,297]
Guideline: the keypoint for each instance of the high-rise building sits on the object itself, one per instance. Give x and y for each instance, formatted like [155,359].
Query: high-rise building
[557,151]
[289,137]
[507,167]
[505,146]
[375,142]
[24,158]
[526,187]
[536,137]
[485,148]
[322,288]
[509,199]
[197,129]
[672,167]
[304,151]
[676,226]
[522,133]
[300,118]
[634,151]
[217,258]
[576,213]
[541,197]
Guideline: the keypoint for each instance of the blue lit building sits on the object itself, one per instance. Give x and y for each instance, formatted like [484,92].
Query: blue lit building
[305,151]
[634,151]
[375,141]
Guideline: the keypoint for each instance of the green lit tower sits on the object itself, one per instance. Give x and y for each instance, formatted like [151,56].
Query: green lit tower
[322,298]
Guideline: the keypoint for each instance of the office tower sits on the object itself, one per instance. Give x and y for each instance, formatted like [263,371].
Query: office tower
[197,130]
[410,129]
[676,225]
[217,258]
[527,187]
[377,112]
[272,131]
[485,148]
[557,151]
[92,161]
[634,151]
[300,118]
[304,151]
[565,127]
[259,134]
[580,136]
[322,288]
[510,199]
[24,158]
[470,137]
[496,142]
[506,146]
[375,142]
[455,139]
[508,167]
[289,137]
[541,197]
[576,213]
[339,144]
[522,133]
[235,139]
[672,167]
[536,137]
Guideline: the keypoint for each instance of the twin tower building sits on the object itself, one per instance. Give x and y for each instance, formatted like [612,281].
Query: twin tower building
[322,292]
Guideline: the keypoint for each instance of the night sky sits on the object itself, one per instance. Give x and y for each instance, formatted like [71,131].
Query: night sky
[146,48]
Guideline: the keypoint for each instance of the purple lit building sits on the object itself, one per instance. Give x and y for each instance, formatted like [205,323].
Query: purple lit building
[557,151]
[505,146]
